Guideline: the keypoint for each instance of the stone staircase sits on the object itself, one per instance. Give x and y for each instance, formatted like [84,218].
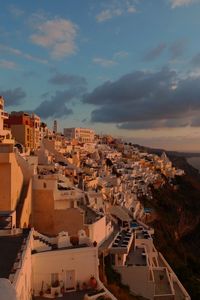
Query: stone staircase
[43,243]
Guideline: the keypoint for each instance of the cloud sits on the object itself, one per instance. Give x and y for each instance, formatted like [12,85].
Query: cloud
[104,62]
[108,14]
[13,96]
[17,52]
[116,9]
[120,54]
[30,74]
[15,11]
[146,99]
[177,48]
[178,3]
[154,124]
[196,60]
[58,35]
[56,106]
[155,52]
[47,109]
[7,64]
[67,79]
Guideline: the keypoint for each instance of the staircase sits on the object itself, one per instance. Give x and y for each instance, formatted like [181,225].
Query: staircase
[42,243]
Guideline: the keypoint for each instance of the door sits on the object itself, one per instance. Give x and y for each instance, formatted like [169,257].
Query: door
[70,279]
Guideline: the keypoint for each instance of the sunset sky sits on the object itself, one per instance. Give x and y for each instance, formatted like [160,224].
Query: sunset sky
[130,68]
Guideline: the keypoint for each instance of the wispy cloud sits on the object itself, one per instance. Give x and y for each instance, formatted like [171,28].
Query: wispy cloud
[15,11]
[196,60]
[67,79]
[155,52]
[114,60]
[104,62]
[116,9]
[7,64]
[58,35]
[178,3]
[177,48]
[107,14]
[120,54]
[18,52]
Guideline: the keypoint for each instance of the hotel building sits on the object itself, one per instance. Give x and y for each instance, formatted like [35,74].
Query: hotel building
[85,135]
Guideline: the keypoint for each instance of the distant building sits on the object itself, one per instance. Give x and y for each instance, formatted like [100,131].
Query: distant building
[85,135]
[25,129]
[55,126]
[36,130]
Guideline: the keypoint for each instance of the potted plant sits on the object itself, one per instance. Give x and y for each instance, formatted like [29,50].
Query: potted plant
[62,290]
[78,286]
[55,288]
[74,240]
[41,291]
[94,243]
[93,282]
[56,294]
[84,286]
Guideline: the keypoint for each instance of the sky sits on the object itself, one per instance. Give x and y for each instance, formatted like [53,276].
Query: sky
[130,68]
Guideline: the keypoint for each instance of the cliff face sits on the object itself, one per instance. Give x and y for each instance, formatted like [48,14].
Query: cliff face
[177,225]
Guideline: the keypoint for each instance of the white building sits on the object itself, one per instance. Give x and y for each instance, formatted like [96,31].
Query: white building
[85,135]
[143,268]
[37,265]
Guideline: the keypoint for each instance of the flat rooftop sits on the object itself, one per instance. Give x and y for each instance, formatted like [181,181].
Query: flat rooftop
[142,234]
[162,285]
[136,257]
[9,247]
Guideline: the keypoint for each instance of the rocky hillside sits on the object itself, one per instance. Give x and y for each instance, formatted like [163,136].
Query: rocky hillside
[177,225]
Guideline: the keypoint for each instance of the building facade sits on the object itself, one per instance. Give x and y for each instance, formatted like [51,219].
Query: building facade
[84,135]
[25,129]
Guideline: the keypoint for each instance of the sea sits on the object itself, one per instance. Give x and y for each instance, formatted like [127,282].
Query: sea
[194,162]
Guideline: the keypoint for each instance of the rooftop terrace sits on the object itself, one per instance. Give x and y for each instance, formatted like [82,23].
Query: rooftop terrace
[142,234]
[162,285]
[136,257]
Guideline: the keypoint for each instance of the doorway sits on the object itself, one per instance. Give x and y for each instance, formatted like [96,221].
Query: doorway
[70,280]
